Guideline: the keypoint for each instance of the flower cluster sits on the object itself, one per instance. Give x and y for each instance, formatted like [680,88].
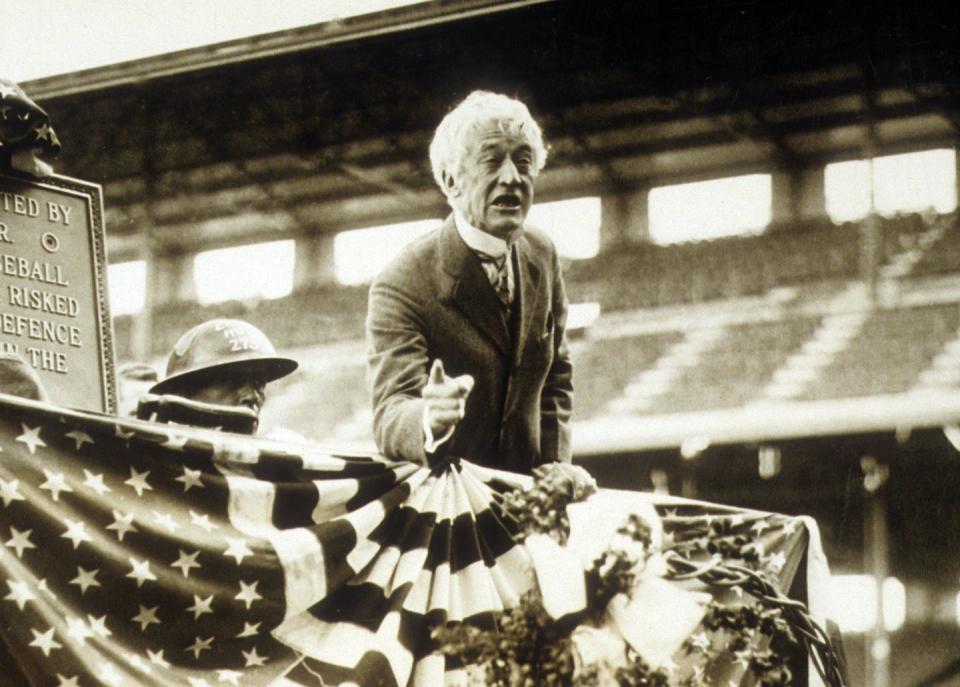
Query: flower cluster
[542,509]
[754,631]
[616,569]
[738,631]
[529,647]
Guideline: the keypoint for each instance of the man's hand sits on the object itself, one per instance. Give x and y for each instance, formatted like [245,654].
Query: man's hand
[445,399]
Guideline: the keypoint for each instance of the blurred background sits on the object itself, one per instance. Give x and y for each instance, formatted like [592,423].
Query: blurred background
[756,207]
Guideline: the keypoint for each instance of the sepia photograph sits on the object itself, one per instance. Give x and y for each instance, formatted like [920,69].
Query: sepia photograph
[510,343]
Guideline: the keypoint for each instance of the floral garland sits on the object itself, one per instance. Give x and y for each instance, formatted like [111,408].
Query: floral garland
[757,632]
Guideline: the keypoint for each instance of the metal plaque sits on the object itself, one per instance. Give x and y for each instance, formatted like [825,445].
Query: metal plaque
[53,302]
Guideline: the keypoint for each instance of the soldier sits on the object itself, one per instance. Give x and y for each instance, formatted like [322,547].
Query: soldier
[221,368]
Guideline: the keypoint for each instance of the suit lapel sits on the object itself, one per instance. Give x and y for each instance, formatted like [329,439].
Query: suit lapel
[528,281]
[471,292]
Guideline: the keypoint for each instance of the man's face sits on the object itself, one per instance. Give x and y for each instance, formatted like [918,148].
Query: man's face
[236,389]
[493,189]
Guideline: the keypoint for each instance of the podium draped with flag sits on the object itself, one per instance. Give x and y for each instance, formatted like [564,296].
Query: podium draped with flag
[138,553]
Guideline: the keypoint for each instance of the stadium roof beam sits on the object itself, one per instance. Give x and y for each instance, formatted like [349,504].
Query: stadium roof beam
[613,179]
[221,152]
[390,135]
[378,156]
[370,178]
[271,45]
[947,103]
[755,130]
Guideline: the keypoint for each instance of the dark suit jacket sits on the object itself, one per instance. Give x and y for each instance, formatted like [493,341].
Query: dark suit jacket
[435,301]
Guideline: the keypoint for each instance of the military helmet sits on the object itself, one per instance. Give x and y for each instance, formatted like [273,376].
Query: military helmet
[222,345]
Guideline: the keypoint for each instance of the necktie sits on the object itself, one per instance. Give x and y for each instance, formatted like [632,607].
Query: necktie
[498,271]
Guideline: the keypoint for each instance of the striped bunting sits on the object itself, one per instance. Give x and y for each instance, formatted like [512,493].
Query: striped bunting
[146,554]
[136,553]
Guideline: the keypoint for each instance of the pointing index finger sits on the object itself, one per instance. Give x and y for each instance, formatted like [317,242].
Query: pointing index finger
[436,372]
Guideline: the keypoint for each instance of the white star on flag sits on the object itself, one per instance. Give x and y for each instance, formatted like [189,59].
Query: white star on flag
[200,606]
[248,593]
[20,541]
[55,484]
[776,562]
[203,521]
[167,521]
[95,482]
[122,524]
[108,673]
[249,629]
[190,478]
[67,681]
[238,549]
[45,641]
[31,437]
[10,492]
[759,526]
[120,434]
[79,438]
[140,571]
[200,645]
[156,657]
[20,593]
[252,659]
[99,626]
[230,676]
[146,617]
[76,532]
[77,629]
[197,681]
[42,586]
[669,540]
[85,579]
[138,663]
[175,441]
[138,481]
[186,562]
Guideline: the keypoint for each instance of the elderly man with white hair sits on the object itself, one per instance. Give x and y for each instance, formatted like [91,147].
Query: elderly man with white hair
[467,356]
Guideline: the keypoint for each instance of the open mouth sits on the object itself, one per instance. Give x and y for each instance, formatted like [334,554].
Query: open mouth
[252,405]
[506,202]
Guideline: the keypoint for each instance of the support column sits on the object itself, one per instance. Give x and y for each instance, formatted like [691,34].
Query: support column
[141,331]
[811,197]
[314,263]
[956,150]
[876,554]
[623,217]
[174,278]
[785,191]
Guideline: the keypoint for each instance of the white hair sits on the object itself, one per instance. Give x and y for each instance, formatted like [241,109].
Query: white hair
[450,139]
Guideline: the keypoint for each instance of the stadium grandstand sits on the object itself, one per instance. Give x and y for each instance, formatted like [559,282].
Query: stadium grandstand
[757,208]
